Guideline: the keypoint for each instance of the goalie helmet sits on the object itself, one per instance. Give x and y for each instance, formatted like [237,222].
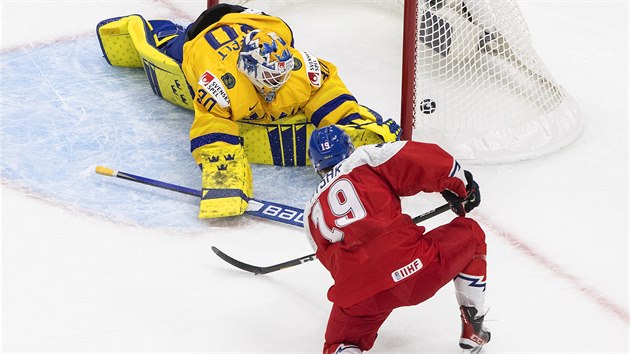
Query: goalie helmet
[329,146]
[266,60]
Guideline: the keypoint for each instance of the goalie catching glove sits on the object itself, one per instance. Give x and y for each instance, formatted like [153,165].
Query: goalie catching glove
[461,206]
[371,129]
[226,181]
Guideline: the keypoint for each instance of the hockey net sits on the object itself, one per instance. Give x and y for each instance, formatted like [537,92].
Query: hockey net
[472,81]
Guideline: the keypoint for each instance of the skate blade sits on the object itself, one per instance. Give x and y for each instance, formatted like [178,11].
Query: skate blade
[472,351]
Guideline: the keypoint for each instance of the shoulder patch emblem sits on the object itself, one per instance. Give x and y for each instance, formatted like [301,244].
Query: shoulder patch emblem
[215,88]
[297,64]
[229,80]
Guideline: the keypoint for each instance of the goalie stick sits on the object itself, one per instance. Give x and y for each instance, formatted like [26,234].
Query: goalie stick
[311,257]
[257,207]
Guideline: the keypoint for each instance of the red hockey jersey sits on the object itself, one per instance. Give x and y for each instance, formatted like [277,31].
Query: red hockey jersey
[355,221]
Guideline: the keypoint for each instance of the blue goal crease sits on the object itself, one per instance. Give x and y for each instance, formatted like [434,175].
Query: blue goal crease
[80,112]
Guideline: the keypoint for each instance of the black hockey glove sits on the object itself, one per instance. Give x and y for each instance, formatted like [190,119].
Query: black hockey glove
[461,206]
[473,198]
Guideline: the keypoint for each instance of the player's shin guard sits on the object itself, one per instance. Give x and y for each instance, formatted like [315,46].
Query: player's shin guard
[226,182]
[470,283]
[470,287]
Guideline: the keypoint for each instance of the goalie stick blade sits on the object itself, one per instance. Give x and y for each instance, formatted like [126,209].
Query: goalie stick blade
[276,212]
[262,270]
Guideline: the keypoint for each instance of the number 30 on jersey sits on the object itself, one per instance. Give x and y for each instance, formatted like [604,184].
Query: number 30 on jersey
[345,208]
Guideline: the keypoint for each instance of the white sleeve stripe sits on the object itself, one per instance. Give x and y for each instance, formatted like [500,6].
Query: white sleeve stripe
[456,167]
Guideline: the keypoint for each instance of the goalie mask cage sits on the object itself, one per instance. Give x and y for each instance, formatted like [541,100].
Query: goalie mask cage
[472,81]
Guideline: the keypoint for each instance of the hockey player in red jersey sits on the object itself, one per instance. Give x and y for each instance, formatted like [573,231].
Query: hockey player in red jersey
[379,259]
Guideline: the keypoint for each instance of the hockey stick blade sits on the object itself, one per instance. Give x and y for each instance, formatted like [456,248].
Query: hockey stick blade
[262,270]
[276,212]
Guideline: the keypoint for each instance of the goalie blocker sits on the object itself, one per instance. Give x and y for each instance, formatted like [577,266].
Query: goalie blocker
[226,181]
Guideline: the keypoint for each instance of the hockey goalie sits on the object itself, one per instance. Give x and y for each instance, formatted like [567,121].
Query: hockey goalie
[255,97]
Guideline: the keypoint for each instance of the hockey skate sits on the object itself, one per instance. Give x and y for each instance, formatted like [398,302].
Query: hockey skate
[344,349]
[474,335]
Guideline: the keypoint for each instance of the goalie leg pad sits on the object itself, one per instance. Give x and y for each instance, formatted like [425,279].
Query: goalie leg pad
[281,143]
[129,42]
[284,142]
[116,43]
[226,181]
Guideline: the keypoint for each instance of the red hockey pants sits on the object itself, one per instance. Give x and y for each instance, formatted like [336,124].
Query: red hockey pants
[461,248]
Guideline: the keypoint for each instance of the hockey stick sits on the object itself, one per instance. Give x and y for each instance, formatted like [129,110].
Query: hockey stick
[263,270]
[311,257]
[256,207]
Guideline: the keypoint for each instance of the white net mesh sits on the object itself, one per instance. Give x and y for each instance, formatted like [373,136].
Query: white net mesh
[481,90]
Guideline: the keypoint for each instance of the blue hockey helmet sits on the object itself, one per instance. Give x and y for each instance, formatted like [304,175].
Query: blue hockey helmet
[266,60]
[329,146]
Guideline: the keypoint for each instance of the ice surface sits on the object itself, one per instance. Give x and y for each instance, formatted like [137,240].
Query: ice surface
[91,263]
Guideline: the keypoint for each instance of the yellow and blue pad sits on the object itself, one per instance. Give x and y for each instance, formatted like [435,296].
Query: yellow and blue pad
[281,143]
[284,142]
[130,42]
[370,128]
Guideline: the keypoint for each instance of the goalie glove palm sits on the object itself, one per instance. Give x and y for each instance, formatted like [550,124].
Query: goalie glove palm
[386,131]
[370,128]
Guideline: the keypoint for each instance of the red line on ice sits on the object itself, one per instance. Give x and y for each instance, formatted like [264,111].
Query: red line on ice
[556,269]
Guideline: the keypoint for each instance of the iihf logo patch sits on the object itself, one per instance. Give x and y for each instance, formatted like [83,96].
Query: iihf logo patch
[407,270]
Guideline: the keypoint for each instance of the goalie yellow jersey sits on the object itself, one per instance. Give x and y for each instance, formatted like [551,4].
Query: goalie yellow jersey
[224,95]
